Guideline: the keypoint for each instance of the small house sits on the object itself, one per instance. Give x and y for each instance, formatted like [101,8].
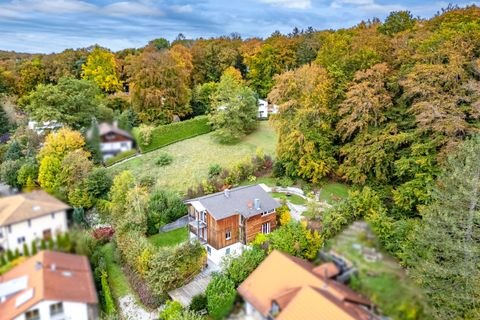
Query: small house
[113,140]
[30,216]
[265,109]
[226,221]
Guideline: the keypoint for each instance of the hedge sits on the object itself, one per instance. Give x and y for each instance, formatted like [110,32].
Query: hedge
[173,132]
[119,157]
[110,308]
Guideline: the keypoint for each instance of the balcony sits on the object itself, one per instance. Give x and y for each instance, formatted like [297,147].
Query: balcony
[197,224]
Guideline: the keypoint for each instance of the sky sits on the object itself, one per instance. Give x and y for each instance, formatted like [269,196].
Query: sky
[45,26]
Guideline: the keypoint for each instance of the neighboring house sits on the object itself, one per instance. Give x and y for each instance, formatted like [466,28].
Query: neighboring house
[226,221]
[113,140]
[44,127]
[30,216]
[265,109]
[287,287]
[49,285]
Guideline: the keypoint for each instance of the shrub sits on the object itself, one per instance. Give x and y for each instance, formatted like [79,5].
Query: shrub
[283,215]
[109,307]
[239,268]
[103,234]
[99,183]
[145,133]
[34,247]
[199,302]
[220,296]
[172,311]
[164,159]
[167,134]
[25,251]
[163,207]
[119,157]
[285,182]
[214,170]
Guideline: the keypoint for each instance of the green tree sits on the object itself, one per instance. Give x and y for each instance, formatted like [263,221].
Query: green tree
[397,21]
[27,173]
[4,123]
[9,172]
[71,102]
[239,268]
[102,68]
[445,247]
[25,251]
[202,98]
[58,144]
[14,151]
[221,295]
[48,174]
[234,110]
[305,122]
[118,193]
[163,207]
[99,183]
[34,247]
[93,142]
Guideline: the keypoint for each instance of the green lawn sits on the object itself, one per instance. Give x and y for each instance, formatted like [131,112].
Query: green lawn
[117,280]
[332,192]
[292,198]
[193,157]
[384,281]
[170,238]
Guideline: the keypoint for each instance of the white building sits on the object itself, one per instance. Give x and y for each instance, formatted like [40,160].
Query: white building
[44,127]
[113,140]
[265,109]
[30,216]
[49,286]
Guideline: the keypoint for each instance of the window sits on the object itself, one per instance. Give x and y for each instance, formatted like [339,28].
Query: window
[20,240]
[209,250]
[227,251]
[9,229]
[29,223]
[56,308]
[32,315]
[53,215]
[266,228]
[123,144]
[228,235]
[1,233]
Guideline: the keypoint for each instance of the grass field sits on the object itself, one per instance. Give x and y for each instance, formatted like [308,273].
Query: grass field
[332,192]
[170,238]
[292,198]
[117,280]
[193,157]
[384,281]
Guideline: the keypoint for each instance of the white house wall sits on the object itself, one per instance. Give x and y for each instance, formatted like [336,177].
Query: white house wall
[71,311]
[109,149]
[56,223]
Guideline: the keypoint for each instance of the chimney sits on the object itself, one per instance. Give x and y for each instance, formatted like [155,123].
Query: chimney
[226,193]
[38,265]
[256,202]
[53,267]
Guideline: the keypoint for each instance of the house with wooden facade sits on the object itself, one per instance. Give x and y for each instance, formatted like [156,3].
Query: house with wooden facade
[226,221]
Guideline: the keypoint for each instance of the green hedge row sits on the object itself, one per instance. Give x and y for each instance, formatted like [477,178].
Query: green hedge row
[110,308]
[174,132]
[119,157]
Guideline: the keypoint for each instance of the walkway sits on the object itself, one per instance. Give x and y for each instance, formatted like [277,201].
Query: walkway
[198,285]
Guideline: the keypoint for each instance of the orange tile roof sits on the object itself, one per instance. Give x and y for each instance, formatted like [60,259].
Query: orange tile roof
[328,270]
[300,292]
[70,280]
[26,206]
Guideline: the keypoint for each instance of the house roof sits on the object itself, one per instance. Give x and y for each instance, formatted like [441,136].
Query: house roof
[300,292]
[105,128]
[50,276]
[26,206]
[236,201]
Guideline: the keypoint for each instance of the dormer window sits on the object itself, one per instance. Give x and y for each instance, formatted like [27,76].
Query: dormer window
[275,310]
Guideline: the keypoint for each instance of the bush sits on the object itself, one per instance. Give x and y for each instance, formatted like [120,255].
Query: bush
[164,159]
[214,170]
[109,307]
[221,295]
[167,134]
[119,157]
[199,302]
[103,234]
[172,311]
[239,268]
[145,133]
[163,207]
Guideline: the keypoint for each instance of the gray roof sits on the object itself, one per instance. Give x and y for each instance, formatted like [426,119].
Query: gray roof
[239,201]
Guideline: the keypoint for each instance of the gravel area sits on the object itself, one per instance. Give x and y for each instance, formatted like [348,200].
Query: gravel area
[130,310]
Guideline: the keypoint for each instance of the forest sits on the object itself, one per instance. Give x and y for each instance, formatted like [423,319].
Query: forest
[391,108]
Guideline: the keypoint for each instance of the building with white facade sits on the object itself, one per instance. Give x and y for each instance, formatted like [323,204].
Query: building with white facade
[44,127]
[49,286]
[30,216]
[113,140]
[265,109]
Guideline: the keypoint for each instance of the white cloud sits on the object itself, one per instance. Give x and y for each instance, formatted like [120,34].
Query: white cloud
[292,4]
[369,6]
[125,8]
[182,9]
[46,6]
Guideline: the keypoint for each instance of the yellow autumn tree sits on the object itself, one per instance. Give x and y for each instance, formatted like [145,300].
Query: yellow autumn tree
[101,68]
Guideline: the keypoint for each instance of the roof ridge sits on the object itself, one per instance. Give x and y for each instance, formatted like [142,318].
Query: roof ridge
[221,192]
